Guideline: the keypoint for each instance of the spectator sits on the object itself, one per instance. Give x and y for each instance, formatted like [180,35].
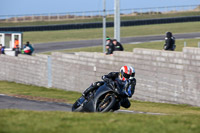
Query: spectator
[109,46]
[169,42]
[17,50]
[2,48]
[16,44]
[28,49]
[117,46]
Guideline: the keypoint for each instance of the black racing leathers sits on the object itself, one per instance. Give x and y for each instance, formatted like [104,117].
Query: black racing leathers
[122,88]
[110,48]
[118,47]
[169,43]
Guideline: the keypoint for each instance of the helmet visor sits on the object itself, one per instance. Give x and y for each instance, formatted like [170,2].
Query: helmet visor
[127,76]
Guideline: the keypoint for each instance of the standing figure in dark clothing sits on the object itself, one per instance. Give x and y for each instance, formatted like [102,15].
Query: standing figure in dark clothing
[17,50]
[117,46]
[169,42]
[2,48]
[109,46]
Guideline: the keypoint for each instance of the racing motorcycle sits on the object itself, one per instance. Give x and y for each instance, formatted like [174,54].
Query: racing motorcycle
[105,99]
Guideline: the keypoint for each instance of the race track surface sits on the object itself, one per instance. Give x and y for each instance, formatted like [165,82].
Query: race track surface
[52,46]
[9,102]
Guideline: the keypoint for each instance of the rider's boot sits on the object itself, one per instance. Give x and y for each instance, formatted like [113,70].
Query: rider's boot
[92,87]
[88,90]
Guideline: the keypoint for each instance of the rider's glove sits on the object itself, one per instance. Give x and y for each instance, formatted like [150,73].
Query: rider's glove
[107,80]
[129,92]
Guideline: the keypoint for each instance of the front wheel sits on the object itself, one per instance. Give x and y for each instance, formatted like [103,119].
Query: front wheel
[78,105]
[105,103]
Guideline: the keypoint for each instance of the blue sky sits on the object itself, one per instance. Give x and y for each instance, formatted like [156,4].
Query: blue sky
[17,7]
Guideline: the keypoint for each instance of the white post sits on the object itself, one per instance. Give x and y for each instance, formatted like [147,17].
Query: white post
[104,26]
[185,44]
[117,20]
[49,71]
[199,44]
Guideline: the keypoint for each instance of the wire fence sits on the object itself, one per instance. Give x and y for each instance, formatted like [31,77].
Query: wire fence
[87,16]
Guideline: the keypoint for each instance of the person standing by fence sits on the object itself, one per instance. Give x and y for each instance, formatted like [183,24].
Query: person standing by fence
[169,42]
[2,49]
[109,46]
[117,46]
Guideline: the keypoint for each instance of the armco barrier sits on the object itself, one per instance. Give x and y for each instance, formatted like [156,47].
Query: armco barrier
[162,76]
[99,24]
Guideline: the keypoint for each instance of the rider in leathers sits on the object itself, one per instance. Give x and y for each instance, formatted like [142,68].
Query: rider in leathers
[169,42]
[126,85]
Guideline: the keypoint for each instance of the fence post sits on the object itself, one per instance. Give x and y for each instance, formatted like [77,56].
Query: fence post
[48,17]
[185,44]
[199,44]
[58,16]
[49,72]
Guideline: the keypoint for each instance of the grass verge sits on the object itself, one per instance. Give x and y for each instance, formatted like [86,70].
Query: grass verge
[21,90]
[86,34]
[51,122]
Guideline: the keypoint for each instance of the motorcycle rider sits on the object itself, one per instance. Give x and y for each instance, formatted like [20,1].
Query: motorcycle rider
[126,87]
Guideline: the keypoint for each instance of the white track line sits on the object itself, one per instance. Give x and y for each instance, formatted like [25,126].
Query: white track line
[139,112]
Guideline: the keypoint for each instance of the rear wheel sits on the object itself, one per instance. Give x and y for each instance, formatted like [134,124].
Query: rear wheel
[106,103]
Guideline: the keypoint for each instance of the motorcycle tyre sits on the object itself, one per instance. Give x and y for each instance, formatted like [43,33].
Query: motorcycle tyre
[110,106]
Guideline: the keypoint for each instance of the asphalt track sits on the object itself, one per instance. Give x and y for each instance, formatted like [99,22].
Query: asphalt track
[9,102]
[53,46]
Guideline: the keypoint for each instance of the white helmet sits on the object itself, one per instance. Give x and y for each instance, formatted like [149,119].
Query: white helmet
[125,73]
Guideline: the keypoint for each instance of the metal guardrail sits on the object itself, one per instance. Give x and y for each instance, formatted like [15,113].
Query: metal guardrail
[99,24]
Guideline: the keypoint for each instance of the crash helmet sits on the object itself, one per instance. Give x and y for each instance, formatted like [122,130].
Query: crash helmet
[168,34]
[133,72]
[125,73]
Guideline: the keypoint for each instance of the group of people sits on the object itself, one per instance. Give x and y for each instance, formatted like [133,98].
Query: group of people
[113,45]
[27,49]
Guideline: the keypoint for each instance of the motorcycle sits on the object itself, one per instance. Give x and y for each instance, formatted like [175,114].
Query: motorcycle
[105,99]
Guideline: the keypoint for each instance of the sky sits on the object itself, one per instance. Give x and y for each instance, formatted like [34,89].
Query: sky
[20,7]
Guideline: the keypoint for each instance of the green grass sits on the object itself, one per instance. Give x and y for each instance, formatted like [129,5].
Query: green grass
[130,47]
[85,34]
[179,118]
[42,122]
[159,45]
[21,89]
[88,20]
